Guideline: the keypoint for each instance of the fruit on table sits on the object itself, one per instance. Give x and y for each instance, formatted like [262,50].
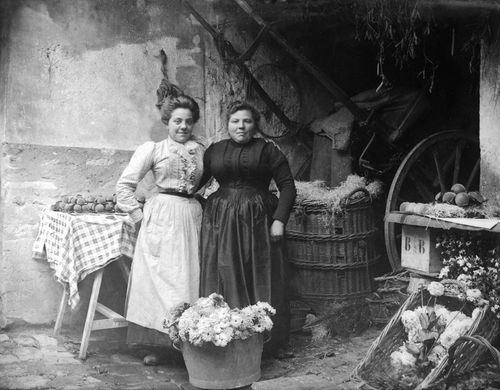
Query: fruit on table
[459,196]
[86,203]
[449,197]
[421,208]
[462,199]
[415,208]
[404,206]
[476,197]
[457,188]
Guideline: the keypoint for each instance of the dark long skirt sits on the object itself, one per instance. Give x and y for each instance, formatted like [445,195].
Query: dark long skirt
[238,259]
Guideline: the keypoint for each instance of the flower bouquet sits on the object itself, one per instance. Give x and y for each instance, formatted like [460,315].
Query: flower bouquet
[412,351]
[473,260]
[222,347]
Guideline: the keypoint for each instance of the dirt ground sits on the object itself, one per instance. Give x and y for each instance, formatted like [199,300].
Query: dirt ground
[32,358]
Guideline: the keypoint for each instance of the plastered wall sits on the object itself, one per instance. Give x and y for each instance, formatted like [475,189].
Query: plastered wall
[489,119]
[79,82]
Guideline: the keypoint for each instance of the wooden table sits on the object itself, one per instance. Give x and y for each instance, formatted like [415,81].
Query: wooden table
[420,220]
[78,245]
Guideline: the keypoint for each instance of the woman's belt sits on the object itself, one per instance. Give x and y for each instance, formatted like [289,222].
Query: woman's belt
[176,193]
[244,184]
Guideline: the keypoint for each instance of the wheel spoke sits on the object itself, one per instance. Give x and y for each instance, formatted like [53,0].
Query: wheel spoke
[442,185]
[446,167]
[421,188]
[458,156]
[427,173]
[473,174]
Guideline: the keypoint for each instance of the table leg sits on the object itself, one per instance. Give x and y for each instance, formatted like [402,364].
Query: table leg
[90,313]
[60,313]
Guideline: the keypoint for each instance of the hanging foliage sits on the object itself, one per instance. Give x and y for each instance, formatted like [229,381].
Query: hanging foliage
[396,27]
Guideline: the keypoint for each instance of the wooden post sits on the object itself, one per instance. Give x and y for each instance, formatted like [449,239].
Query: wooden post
[96,287]
[62,309]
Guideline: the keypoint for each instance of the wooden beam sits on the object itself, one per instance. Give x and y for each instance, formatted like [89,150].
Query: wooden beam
[106,311]
[109,324]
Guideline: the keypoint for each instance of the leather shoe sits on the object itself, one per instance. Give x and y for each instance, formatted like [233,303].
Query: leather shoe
[151,360]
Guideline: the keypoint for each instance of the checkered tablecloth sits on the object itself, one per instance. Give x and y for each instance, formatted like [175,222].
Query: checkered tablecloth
[76,245]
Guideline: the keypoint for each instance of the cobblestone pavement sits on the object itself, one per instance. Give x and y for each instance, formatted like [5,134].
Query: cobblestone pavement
[32,358]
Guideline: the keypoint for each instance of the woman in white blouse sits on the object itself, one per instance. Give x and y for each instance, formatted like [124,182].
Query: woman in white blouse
[165,268]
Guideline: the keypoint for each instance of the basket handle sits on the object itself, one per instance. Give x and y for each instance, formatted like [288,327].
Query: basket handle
[356,190]
[475,339]
[177,347]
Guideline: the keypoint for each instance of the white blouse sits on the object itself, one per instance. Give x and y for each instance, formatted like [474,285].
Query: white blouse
[175,166]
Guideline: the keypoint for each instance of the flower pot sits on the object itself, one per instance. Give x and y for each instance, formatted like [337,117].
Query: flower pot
[233,366]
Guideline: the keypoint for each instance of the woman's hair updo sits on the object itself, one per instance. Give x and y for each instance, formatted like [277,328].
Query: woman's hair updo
[244,106]
[171,103]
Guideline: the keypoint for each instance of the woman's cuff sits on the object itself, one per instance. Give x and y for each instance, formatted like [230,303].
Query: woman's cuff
[136,215]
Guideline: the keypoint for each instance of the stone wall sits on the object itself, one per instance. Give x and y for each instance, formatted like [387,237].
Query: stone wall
[489,123]
[78,87]
[33,177]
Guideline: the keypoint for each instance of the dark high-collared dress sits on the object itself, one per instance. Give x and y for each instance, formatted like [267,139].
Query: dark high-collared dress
[238,258]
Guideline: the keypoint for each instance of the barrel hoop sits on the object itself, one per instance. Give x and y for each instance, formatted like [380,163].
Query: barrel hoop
[361,294]
[361,264]
[329,237]
[307,209]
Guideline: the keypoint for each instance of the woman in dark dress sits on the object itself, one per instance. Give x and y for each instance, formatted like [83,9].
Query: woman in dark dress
[242,246]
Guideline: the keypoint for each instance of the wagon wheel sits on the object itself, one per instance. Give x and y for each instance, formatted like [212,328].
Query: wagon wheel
[433,165]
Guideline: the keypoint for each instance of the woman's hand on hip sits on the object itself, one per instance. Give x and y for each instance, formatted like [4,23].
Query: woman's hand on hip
[277,230]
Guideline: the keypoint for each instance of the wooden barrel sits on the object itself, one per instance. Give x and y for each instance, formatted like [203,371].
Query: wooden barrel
[332,255]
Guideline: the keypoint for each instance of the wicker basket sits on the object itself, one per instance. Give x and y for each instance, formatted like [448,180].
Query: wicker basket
[384,303]
[389,296]
[332,254]
[375,368]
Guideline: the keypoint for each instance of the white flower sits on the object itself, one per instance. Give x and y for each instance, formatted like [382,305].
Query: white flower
[444,272]
[210,320]
[402,357]
[436,289]
[437,354]
[473,294]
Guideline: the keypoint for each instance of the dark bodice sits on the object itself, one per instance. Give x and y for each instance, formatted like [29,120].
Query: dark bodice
[252,164]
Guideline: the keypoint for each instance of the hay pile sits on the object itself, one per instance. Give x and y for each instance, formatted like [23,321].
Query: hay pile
[443,210]
[317,191]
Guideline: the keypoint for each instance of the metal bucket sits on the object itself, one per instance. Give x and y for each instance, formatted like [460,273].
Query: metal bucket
[233,366]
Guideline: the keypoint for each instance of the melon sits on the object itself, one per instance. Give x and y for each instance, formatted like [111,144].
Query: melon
[457,188]
[476,197]
[449,197]
[462,199]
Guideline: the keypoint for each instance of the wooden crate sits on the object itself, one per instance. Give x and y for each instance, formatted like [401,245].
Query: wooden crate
[418,250]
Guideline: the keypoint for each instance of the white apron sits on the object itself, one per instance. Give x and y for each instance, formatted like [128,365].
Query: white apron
[165,270]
